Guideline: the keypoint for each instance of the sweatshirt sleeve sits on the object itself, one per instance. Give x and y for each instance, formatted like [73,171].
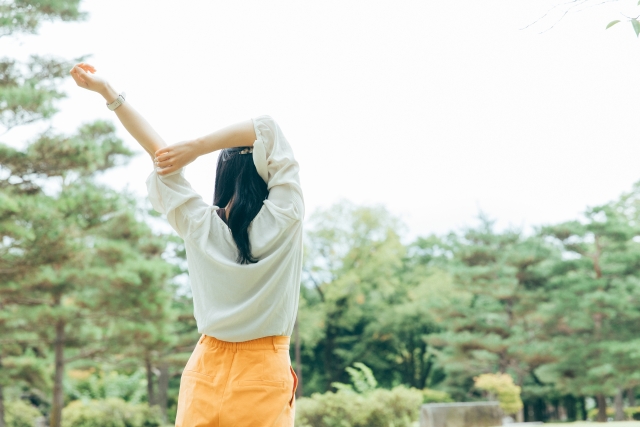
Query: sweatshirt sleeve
[277,166]
[173,196]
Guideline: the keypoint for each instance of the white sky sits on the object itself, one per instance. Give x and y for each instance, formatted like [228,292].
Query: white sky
[435,108]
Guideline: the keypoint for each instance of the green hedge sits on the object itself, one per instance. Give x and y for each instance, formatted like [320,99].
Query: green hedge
[398,407]
[111,412]
[19,413]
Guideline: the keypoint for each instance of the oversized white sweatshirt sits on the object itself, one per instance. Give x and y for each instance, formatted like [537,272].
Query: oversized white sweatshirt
[235,302]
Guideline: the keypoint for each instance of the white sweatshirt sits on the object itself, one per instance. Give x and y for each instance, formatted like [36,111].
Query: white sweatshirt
[234,302]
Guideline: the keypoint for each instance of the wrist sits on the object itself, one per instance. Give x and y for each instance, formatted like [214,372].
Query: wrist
[199,146]
[108,93]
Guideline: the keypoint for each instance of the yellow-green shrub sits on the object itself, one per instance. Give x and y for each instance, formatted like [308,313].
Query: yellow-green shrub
[592,414]
[398,407]
[502,386]
[111,412]
[633,412]
[19,413]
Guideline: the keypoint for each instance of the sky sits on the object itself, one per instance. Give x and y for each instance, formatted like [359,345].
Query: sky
[436,109]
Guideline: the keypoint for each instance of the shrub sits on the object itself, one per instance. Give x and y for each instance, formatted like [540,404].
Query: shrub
[87,385]
[633,413]
[398,407]
[592,414]
[19,413]
[111,412]
[435,396]
[502,386]
[360,404]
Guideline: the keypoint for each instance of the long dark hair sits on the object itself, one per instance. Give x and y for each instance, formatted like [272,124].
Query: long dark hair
[238,182]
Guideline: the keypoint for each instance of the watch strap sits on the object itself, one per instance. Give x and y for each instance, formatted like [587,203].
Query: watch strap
[118,102]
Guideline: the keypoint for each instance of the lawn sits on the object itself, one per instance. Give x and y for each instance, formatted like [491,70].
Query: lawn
[594,424]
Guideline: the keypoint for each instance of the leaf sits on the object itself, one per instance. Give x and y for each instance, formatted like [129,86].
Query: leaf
[612,23]
[636,26]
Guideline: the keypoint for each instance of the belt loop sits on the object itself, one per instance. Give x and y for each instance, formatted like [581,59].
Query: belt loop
[273,341]
[235,347]
[201,339]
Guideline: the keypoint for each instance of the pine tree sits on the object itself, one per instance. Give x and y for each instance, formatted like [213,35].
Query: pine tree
[492,325]
[80,273]
[592,316]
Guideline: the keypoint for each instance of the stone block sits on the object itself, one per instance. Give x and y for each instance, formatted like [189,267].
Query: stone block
[463,414]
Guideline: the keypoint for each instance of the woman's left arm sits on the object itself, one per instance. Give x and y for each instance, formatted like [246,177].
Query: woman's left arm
[85,77]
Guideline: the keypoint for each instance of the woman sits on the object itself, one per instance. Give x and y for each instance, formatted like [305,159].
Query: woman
[244,255]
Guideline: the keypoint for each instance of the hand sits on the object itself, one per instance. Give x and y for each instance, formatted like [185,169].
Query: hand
[84,76]
[175,156]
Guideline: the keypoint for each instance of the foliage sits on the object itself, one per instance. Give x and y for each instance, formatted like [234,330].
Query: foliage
[502,386]
[592,414]
[83,385]
[361,377]
[360,404]
[633,412]
[111,412]
[635,24]
[19,413]
[26,16]
[435,396]
[398,407]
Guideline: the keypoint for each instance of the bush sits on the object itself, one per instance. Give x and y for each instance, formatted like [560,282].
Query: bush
[111,412]
[360,404]
[435,396]
[87,385]
[592,414]
[398,407]
[502,386]
[19,413]
[633,413]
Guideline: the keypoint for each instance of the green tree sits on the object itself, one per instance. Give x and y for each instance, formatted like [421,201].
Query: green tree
[492,325]
[593,311]
[367,297]
[81,275]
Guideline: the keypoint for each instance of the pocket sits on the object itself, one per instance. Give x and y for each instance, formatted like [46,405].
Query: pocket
[295,385]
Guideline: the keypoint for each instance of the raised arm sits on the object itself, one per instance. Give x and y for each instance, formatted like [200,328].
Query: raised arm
[85,77]
[173,157]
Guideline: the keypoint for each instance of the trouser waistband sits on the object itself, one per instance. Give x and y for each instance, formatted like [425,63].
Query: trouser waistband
[276,342]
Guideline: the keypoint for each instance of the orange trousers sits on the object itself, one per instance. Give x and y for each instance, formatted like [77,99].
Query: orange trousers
[249,383]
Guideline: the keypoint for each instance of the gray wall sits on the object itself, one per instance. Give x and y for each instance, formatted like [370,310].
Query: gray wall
[467,414]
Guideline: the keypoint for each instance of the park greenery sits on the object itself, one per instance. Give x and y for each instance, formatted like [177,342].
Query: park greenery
[94,320]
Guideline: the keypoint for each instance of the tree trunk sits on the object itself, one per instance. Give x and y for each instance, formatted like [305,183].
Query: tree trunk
[631,397]
[298,360]
[2,424]
[570,407]
[58,397]
[150,380]
[539,410]
[583,408]
[163,387]
[618,401]
[602,408]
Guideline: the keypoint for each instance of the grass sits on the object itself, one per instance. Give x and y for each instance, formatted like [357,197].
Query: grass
[595,424]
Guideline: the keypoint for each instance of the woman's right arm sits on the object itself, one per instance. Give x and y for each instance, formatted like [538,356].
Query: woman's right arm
[85,76]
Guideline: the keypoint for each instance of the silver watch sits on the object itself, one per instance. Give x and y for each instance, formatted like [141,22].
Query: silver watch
[118,102]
